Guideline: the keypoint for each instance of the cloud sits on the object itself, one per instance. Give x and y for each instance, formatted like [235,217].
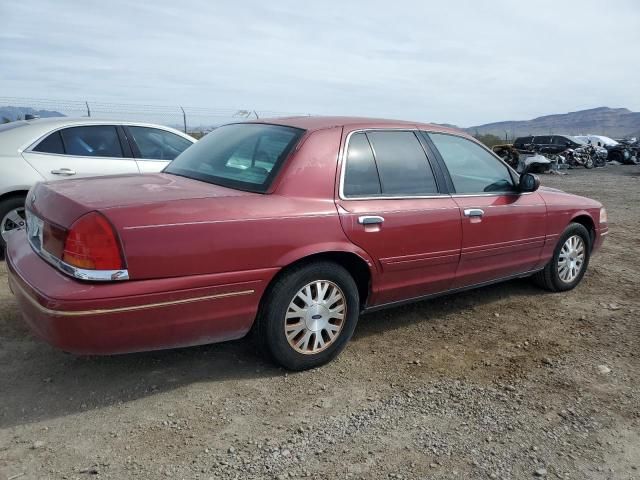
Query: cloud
[461,62]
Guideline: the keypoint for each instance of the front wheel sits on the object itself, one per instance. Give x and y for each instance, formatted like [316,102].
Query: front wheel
[308,315]
[569,262]
[12,217]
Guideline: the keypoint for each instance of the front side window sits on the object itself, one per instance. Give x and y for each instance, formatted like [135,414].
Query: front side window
[157,144]
[472,169]
[92,141]
[246,156]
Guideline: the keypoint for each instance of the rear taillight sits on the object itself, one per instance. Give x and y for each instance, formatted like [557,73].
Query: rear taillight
[92,244]
[53,238]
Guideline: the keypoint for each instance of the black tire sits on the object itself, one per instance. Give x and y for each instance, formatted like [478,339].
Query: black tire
[269,330]
[6,205]
[616,156]
[588,163]
[549,277]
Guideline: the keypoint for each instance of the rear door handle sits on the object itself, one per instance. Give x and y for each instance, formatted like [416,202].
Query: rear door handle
[63,171]
[370,219]
[473,212]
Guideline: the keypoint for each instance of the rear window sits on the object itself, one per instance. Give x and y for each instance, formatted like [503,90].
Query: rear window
[245,156]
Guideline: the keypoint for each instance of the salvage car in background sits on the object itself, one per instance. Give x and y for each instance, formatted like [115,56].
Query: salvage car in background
[290,228]
[616,151]
[49,149]
[551,144]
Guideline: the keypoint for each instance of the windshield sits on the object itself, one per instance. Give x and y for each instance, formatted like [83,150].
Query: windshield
[245,156]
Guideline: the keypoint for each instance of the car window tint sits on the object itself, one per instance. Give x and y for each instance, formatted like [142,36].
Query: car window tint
[157,144]
[471,167]
[546,140]
[402,163]
[361,175]
[244,156]
[92,141]
[51,144]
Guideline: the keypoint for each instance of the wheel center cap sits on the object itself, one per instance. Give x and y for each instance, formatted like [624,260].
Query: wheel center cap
[317,318]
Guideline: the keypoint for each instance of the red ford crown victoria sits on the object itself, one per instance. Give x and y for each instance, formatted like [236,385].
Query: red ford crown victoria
[291,229]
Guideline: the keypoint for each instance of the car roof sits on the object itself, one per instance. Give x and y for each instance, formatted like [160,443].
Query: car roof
[322,122]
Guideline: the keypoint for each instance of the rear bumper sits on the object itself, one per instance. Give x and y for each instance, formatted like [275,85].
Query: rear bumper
[131,316]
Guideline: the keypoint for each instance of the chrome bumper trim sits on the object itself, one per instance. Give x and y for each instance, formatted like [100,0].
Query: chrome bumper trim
[79,313]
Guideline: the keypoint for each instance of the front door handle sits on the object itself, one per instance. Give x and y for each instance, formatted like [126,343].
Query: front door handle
[473,212]
[370,219]
[63,171]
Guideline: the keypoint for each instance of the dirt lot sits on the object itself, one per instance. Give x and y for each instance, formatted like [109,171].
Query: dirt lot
[502,382]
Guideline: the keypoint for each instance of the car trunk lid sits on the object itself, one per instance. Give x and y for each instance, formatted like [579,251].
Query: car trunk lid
[65,201]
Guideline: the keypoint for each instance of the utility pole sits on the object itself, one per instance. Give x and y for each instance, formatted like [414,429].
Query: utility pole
[88,109]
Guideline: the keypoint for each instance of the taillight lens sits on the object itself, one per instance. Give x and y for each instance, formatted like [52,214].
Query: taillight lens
[92,244]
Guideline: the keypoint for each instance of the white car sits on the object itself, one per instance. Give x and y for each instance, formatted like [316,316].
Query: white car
[46,149]
[599,140]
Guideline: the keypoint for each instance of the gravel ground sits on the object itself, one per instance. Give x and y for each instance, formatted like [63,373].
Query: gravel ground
[505,382]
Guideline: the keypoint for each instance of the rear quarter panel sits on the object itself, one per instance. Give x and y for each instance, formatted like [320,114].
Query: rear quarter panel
[249,232]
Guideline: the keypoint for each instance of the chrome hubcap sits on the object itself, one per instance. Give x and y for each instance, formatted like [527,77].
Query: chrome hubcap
[315,317]
[571,259]
[11,221]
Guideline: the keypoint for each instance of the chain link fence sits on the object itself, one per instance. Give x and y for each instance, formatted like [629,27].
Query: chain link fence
[194,120]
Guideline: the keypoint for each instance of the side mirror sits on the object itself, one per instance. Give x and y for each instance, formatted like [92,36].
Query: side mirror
[529,182]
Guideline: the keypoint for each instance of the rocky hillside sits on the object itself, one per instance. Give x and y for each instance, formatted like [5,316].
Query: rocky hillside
[613,122]
[9,113]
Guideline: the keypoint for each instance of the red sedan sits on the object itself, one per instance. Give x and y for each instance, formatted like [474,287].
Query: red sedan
[291,228]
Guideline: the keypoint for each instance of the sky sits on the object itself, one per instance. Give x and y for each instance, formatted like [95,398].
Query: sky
[454,61]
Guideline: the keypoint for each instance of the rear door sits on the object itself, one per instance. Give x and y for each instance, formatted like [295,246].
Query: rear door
[154,148]
[393,204]
[503,231]
[81,151]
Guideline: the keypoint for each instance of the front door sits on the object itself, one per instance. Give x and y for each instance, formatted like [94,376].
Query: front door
[503,231]
[392,207]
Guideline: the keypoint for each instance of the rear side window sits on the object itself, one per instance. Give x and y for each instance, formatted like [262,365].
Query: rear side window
[402,163]
[542,140]
[51,144]
[471,167]
[361,175]
[92,141]
[522,141]
[157,144]
[387,163]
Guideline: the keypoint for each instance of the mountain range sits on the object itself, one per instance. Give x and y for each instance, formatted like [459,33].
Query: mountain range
[9,113]
[612,122]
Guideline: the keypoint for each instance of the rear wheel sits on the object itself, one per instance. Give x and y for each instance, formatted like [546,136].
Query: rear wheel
[569,262]
[12,217]
[308,316]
